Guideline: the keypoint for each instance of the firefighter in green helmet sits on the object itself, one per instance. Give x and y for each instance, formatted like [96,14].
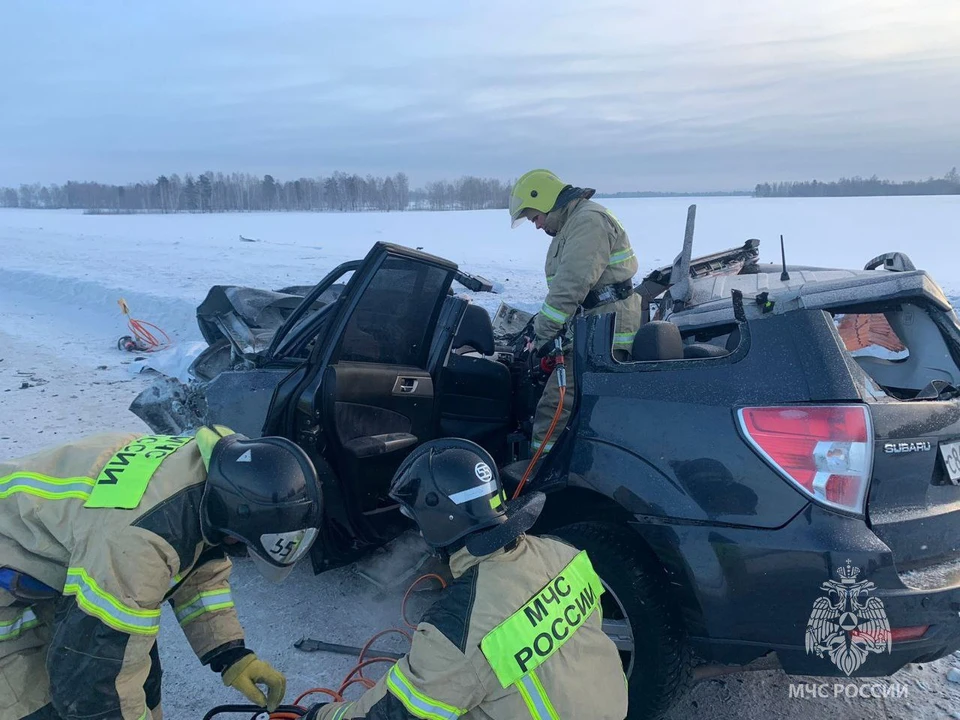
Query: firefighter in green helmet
[589,268]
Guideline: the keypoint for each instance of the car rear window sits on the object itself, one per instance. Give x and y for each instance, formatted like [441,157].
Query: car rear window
[870,335]
[905,349]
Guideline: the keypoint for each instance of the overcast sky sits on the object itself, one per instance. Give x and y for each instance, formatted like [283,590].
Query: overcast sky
[620,95]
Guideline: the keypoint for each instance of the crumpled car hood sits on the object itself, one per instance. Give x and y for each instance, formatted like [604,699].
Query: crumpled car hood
[250,317]
[247,317]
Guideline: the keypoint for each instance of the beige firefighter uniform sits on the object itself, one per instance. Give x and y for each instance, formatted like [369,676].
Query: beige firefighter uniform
[110,524]
[516,635]
[590,252]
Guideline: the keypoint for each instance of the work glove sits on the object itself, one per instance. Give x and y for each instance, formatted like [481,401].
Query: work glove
[247,672]
[524,342]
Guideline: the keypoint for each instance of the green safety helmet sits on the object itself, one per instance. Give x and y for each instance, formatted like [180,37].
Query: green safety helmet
[536,190]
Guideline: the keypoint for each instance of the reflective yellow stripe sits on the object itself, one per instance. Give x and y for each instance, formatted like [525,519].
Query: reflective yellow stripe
[554,314]
[536,631]
[44,486]
[338,715]
[614,218]
[621,256]
[624,339]
[550,278]
[123,480]
[536,698]
[205,602]
[95,601]
[543,697]
[535,445]
[528,701]
[24,621]
[416,703]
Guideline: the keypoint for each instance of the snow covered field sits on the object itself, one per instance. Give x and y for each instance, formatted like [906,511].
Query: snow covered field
[71,268]
[61,375]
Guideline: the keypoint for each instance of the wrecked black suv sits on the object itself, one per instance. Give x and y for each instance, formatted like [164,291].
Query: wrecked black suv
[774,477]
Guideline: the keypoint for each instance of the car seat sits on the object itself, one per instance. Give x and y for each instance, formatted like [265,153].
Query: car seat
[703,350]
[475,390]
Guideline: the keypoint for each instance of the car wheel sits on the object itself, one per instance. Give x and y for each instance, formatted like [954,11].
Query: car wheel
[638,617]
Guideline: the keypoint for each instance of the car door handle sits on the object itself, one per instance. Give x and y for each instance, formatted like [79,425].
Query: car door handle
[407,385]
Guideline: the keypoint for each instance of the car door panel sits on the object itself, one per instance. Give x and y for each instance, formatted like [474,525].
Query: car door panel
[384,386]
[376,422]
[373,400]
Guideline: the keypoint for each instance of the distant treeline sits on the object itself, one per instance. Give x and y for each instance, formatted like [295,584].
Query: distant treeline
[655,194]
[341,192]
[949,184]
[242,192]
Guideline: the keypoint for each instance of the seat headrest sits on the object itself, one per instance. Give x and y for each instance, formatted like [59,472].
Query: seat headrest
[476,330]
[658,340]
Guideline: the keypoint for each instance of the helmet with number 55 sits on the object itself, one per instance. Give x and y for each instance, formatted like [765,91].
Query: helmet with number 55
[262,496]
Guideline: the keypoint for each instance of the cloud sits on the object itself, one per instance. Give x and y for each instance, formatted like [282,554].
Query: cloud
[676,96]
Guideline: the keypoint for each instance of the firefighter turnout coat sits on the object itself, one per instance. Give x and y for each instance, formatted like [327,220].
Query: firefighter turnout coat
[591,251]
[111,524]
[516,635]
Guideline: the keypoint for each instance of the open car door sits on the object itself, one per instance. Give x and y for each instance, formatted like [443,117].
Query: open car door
[365,399]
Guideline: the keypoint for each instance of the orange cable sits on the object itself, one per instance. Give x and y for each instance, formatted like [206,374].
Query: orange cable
[403,605]
[363,650]
[357,669]
[148,341]
[366,682]
[546,439]
[327,691]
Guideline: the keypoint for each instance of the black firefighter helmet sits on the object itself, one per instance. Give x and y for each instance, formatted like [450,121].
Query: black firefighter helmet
[451,489]
[263,495]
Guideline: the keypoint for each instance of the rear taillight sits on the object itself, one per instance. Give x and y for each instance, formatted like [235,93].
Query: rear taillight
[824,450]
[908,633]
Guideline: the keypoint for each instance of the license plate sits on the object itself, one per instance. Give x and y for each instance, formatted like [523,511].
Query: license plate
[950,452]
